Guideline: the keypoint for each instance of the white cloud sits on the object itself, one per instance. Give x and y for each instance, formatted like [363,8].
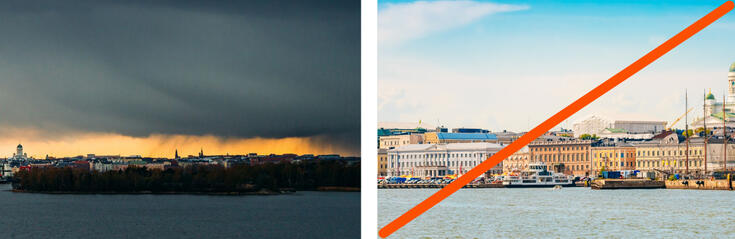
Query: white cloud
[398,23]
[411,89]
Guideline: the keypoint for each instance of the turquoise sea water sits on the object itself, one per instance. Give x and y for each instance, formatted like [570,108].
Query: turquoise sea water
[565,213]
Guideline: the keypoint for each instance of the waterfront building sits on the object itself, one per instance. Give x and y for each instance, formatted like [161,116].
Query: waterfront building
[565,155]
[666,152]
[439,160]
[516,161]
[101,165]
[613,155]
[603,127]
[395,141]
[447,138]
[382,162]
[715,154]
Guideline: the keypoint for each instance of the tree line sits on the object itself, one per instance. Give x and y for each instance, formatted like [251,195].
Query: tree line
[197,178]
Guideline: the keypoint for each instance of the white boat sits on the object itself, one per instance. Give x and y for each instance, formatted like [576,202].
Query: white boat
[537,176]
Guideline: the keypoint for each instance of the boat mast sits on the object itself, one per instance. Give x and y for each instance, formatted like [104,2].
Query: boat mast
[704,122]
[724,135]
[686,131]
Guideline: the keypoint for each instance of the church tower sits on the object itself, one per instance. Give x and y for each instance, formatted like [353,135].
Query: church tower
[709,103]
[19,151]
[176,154]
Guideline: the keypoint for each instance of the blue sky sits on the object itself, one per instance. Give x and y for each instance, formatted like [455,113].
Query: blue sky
[511,64]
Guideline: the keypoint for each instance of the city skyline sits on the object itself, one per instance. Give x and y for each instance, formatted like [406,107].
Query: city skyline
[168,148]
[460,63]
[112,77]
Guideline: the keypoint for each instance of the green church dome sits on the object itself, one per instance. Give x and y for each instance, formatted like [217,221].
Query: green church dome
[732,67]
[710,96]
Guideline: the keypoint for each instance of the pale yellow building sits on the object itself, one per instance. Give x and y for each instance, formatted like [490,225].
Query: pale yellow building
[382,162]
[516,161]
[396,141]
[667,152]
[613,157]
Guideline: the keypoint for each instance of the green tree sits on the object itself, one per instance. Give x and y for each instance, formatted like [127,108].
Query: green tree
[588,137]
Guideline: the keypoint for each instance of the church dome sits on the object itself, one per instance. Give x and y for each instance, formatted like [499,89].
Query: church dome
[732,67]
[20,146]
[710,96]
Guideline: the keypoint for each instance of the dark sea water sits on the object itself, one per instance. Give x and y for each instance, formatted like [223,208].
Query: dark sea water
[299,215]
[565,213]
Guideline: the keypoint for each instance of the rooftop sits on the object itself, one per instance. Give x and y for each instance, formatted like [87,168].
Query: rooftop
[614,130]
[447,147]
[719,115]
[466,136]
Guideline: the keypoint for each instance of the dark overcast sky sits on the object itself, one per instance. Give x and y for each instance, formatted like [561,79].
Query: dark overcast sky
[231,68]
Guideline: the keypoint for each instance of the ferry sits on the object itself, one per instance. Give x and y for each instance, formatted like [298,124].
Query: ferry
[537,176]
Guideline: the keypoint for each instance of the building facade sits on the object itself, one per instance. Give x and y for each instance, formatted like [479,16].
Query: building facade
[613,156]
[439,160]
[447,138]
[569,156]
[382,162]
[715,154]
[517,161]
[667,152]
[596,125]
[395,141]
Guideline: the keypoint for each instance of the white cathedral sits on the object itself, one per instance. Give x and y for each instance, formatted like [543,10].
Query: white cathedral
[19,155]
[713,110]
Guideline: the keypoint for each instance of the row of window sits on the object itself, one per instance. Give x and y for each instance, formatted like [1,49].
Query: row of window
[440,172]
[561,158]
[639,153]
[570,167]
[563,148]
[614,155]
[677,163]
[437,155]
[612,164]
[669,152]
[652,163]
[579,167]
[464,163]
[393,143]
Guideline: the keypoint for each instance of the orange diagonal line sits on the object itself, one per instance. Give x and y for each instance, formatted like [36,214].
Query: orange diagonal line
[557,118]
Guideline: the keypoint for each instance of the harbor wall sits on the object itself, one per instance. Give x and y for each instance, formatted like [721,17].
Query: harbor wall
[627,184]
[704,184]
[391,186]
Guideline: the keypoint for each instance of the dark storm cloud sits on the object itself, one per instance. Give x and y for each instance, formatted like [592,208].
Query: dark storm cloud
[228,68]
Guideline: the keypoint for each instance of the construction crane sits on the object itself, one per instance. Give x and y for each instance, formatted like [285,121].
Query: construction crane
[677,119]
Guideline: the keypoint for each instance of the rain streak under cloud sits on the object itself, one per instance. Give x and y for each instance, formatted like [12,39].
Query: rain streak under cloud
[266,70]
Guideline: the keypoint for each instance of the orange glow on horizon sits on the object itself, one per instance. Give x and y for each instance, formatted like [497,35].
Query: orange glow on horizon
[156,145]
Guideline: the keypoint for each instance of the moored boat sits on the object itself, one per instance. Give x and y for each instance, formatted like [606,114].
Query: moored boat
[536,175]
